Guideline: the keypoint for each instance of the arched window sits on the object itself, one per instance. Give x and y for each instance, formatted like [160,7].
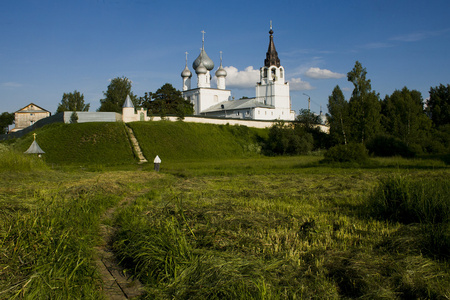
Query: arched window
[265,72]
[281,72]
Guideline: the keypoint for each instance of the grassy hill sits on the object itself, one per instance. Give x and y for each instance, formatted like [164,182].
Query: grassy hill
[174,141]
[108,143]
[86,143]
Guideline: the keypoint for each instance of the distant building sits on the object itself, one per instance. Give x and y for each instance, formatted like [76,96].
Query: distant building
[29,115]
[272,100]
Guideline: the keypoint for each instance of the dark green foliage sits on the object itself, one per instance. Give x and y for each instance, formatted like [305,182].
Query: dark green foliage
[338,118]
[385,145]
[167,101]
[404,118]
[6,119]
[351,152]
[285,139]
[72,102]
[116,94]
[74,117]
[438,105]
[364,107]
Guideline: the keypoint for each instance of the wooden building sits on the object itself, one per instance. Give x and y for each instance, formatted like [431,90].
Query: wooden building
[29,115]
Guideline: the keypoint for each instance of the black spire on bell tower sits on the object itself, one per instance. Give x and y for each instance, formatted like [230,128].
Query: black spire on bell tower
[271,55]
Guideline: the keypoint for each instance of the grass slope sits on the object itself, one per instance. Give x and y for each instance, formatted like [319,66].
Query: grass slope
[191,141]
[108,144]
[92,143]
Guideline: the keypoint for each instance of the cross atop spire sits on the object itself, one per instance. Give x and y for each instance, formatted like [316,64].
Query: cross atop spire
[186,56]
[203,39]
[34,135]
[220,57]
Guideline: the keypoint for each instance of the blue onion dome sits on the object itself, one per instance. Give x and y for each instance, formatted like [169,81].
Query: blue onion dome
[207,62]
[221,72]
[201,69]
[186,72]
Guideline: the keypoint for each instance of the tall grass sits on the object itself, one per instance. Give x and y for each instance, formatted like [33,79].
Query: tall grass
[289,233]
[425,201]
[12,161]
[47,245]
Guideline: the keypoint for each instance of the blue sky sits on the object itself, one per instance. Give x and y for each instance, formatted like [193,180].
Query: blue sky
[51,47]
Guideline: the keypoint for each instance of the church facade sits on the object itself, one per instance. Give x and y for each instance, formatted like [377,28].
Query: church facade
[271,102]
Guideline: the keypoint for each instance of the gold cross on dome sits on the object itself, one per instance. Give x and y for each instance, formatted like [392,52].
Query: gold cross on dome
[34,135]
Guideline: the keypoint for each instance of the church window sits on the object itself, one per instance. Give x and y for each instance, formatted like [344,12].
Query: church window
[265,72]
[281,73]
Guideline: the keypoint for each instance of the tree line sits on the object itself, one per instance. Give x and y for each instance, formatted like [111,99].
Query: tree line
[400,124]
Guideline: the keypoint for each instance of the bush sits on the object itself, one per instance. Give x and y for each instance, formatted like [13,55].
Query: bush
[287,140]
[346,153]
[385,145]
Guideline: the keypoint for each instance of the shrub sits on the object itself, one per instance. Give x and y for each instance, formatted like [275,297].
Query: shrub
[385,145]
[284,139]
[346,153]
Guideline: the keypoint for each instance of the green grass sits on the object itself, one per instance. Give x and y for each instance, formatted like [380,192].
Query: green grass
[85,143]
[175,141]
[281,229]
[232,226]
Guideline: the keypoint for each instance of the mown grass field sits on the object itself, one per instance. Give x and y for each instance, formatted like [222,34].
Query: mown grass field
[241,226]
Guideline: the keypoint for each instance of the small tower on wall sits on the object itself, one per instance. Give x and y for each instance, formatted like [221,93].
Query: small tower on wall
[221,74]
[186,75]
[128,114]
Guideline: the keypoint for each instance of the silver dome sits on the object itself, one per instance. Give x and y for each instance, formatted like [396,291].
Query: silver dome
[186,72]
[201,69]
[207,62]
[221,72]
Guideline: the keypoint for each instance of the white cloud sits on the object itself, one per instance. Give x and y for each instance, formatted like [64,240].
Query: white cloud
[241,79]
[297,84]
[318,73]
[11,84]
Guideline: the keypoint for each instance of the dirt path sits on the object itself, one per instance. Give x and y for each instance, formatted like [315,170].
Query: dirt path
[116,284]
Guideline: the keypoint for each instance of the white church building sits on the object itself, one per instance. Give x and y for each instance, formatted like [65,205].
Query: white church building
[271,102]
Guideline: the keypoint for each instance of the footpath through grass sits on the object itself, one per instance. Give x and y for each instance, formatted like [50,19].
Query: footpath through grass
[255,228]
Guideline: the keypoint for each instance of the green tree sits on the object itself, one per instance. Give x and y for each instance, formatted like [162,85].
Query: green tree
[364,106]
[308,119]
[165,101]
[338,117]
[72,102]
[6,119]
[116,94]
[403,116]
[438,106]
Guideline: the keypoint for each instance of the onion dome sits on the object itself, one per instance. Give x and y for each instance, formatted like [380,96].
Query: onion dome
[204,58]
[186,73]
[221,71]
[201,69]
